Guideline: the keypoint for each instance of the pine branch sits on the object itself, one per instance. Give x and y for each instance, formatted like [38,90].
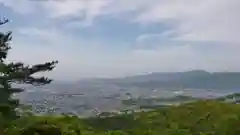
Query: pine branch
[32,80]
[4,21]
[19,73]
[42,67]
[16,73]
[14,68]
[38,81]
[11,90]
[4,47]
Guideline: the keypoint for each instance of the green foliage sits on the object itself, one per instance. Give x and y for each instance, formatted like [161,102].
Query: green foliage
[17,72]
[231,96]
[198,118]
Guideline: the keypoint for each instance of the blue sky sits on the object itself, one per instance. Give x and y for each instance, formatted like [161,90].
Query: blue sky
[115,38]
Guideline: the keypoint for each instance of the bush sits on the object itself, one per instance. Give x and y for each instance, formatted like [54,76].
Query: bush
[199,118]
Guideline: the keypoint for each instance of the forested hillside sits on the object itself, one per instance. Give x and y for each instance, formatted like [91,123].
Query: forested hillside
[198,118]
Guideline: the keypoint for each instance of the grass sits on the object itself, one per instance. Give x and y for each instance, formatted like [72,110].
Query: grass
[199,118]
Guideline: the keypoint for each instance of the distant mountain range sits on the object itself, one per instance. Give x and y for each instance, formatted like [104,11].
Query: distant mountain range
[196,79]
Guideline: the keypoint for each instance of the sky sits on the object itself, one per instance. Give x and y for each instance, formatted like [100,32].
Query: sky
[116,38]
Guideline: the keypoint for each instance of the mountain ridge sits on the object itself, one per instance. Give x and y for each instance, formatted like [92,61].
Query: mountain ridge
[196,79]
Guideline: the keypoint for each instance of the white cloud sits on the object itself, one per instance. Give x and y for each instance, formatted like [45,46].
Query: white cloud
[41,34]
[84,11]
[164,35]
[20,6]
[37,45]
[214,20]
[84,59]
[196,20]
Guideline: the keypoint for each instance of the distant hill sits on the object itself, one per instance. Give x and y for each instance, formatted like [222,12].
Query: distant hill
[196,79]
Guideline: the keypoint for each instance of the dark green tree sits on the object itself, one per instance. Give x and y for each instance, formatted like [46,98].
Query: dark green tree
[17,73]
